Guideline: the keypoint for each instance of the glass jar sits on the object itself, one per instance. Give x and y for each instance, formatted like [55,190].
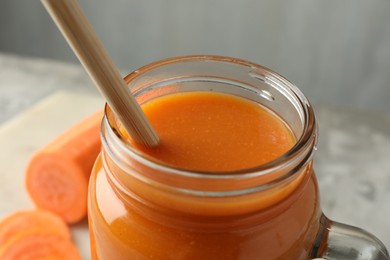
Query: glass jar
[141,209]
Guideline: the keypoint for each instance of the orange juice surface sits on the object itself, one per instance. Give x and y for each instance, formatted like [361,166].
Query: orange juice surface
[207,132]
[215,132]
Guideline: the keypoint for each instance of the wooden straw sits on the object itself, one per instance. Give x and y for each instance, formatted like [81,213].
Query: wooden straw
[76,29]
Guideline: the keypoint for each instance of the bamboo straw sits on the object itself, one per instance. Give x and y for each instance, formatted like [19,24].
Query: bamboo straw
[76,29]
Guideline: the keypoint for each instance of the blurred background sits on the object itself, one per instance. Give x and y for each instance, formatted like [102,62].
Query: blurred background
[336,51]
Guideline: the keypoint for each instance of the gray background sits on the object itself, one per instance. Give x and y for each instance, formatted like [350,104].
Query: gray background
[336,51]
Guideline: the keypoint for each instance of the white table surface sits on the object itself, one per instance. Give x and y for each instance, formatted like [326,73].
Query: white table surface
[352,163]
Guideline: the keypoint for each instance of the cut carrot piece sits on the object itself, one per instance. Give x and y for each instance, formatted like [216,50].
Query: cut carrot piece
[39,244]
[30,220]
[57,176]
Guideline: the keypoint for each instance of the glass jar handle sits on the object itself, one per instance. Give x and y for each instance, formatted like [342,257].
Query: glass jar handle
[340,241]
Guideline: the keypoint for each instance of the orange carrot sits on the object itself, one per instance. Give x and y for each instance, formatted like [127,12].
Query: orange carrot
[30,220]
[35,234]
[39,244]
[57,175]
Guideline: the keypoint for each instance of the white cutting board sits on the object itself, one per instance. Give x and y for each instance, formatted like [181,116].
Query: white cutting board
[21,136]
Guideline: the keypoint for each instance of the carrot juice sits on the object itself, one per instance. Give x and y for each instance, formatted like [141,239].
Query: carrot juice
[215,132]
[230,179]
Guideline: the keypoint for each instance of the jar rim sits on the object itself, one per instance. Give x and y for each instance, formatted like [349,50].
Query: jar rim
[307,140]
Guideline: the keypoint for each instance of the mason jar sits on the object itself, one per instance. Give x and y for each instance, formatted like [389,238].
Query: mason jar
[139,208]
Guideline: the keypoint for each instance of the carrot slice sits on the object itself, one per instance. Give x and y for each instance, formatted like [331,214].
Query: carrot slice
[57,175]
[30,220]
[39,244]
